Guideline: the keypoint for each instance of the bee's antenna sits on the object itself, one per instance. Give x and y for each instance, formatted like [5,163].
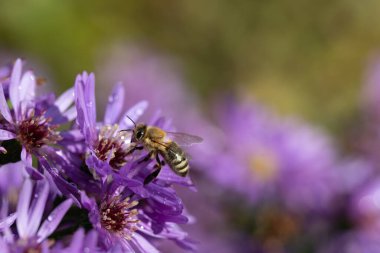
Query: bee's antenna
[134,123]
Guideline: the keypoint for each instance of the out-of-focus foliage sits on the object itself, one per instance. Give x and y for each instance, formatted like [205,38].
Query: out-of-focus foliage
[304,57]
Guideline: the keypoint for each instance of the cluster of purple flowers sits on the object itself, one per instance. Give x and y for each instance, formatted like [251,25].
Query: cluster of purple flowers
[72,183]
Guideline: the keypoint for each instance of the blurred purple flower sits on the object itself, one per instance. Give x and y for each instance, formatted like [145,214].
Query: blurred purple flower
[268,158]
[352,242]
[365,208]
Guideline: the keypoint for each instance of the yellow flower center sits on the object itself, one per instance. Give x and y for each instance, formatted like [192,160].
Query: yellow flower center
[264,165]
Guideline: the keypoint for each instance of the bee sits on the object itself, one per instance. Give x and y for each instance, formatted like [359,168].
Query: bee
[160,143]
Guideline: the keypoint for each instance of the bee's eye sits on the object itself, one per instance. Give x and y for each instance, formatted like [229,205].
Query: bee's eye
[139,134]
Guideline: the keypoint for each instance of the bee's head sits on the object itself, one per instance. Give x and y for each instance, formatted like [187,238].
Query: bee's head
[139,132]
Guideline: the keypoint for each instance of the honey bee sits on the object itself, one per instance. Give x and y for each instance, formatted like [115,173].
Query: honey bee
[165,144]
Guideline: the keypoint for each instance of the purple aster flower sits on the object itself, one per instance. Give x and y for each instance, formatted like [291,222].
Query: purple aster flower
[275,159]
[131,222]
[136,215]
[32,234]
[109,147]
[32,121]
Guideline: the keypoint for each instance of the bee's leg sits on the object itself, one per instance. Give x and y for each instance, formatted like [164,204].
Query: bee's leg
[133,149]
[147,157]
[156,171]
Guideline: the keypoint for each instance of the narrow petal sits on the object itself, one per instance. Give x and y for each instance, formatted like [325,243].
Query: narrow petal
[65,100]
[76,244]
[70,114]
[4,109]
[90,91]
[14,86]
[4,245]
[23,208]
[8,221]
[27,86]
[34,173]
[143,245]
[26,157]
[134,113]
[6,135]
[53,220]
[115,104]
[38,207]
[91,240]
[65,187]
[27,90]
[85,105]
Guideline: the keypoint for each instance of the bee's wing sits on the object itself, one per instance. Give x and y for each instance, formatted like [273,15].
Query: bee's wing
[184,139]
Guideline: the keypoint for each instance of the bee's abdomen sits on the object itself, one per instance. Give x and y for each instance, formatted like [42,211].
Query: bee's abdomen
[176,159]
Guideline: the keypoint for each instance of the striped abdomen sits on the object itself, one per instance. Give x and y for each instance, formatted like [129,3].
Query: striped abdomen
[176,159]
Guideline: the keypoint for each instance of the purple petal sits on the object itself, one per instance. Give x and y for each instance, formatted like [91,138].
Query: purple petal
[4,246]
[90,91]
[86,201]
[34,173]
[85,105]
[8,221]
[37,210]
[27,86]
[134,113]
[27,89]
[143,245]
[4,109]
[61,183]
[23,208]
[14,87]
[65,100]
[72,135]
[70,114]
[26,157]
[115,104]
[76,244]
[91,241]
[6,135]
[53,220]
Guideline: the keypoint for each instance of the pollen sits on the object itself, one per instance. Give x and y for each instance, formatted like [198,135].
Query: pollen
[112,146]
[36,131]
[119,217]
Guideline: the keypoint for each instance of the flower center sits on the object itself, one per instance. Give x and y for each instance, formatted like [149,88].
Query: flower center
[112,145]
[35,131]
[263,164]
[33,250]
[276,229]
[117,216]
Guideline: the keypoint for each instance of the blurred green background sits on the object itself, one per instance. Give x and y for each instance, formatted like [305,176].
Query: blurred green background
[301,57]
